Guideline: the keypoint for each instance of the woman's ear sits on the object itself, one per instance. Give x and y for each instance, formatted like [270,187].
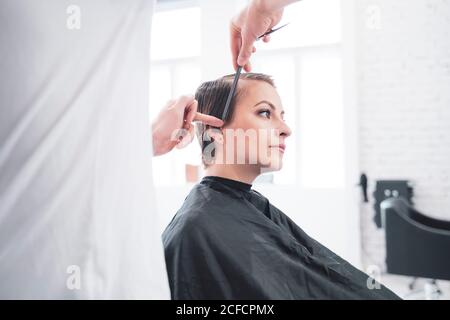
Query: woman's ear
[216,135]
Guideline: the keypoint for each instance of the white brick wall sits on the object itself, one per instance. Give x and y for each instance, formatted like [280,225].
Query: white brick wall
[403,86]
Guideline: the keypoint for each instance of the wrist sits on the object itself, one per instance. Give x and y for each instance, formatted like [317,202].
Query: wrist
[156,143]
[263,6]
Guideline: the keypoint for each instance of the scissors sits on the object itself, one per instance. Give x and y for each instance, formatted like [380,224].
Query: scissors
[238,74]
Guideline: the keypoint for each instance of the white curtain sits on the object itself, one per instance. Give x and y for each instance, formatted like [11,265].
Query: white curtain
[77,208]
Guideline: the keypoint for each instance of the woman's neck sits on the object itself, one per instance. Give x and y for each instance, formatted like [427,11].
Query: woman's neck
[242,173]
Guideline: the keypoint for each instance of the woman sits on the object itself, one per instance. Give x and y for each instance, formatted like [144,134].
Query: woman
[227,241]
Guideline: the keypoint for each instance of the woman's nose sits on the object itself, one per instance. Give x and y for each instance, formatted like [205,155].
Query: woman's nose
[285,130]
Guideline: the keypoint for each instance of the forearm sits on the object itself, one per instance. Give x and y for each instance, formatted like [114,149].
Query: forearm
[272,5]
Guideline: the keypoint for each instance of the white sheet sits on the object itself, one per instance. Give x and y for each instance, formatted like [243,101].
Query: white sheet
[76,188]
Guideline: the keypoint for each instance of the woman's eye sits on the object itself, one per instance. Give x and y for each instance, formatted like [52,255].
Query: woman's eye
[265,113]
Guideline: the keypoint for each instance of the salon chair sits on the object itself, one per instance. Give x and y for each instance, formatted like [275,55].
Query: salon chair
[416,245]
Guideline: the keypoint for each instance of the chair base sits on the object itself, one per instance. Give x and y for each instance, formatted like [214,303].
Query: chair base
[430,290]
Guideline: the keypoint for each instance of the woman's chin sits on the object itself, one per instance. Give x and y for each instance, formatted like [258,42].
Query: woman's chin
[273,165]
[276,161]
[277,167]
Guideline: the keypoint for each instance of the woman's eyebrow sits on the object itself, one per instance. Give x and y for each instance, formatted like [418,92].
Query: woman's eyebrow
[269,103]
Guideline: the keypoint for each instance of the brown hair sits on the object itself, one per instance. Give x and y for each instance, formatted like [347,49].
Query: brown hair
[212,97]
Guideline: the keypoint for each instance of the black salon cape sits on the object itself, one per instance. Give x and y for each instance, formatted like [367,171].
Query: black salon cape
[228,242]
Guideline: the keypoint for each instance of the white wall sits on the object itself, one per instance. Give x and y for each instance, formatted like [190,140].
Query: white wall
[403,87]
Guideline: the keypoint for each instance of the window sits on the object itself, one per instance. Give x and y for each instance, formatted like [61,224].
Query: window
[174,72]
[321,120]
[168,42]
[311,23]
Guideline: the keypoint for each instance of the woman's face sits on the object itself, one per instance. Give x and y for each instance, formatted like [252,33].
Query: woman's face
[257,132]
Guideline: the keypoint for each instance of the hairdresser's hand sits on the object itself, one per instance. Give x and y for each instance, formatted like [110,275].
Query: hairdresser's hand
[173,126]
[247,26]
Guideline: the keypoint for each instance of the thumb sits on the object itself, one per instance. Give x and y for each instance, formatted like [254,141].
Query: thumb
[208,120]
[246,49]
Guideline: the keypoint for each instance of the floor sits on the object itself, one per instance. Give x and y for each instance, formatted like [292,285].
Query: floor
[400,285]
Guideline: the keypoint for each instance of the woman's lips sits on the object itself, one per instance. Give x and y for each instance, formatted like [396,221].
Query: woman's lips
[280,147]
